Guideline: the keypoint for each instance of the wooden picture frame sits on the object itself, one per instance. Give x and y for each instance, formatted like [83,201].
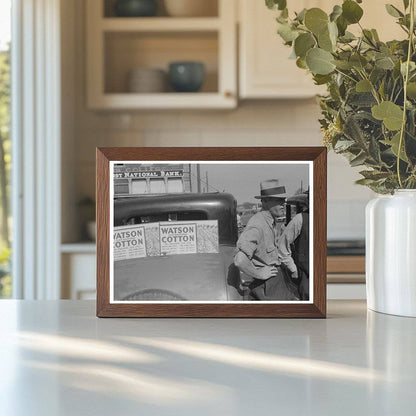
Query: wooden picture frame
[107,158]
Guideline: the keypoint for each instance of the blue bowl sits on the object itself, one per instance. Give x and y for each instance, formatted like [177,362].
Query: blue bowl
[136,8]
[186,76]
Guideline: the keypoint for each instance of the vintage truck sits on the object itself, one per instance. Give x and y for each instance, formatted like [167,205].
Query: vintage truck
[179,277]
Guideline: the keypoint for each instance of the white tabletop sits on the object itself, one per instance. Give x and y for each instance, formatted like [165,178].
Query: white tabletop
[58,359]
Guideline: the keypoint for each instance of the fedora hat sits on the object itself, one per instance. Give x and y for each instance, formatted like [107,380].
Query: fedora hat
[271,189]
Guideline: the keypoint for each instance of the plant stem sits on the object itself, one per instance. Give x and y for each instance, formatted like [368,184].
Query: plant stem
[345,75]
[369,41]
[392,90]
[397,95]
[373,89]
[406,80]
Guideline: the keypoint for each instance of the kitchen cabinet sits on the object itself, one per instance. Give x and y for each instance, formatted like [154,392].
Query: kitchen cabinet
[345,274]
[346,269]
[118,45]
[265,70]
[78,271]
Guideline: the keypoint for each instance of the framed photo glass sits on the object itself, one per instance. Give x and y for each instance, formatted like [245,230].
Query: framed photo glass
[211,232]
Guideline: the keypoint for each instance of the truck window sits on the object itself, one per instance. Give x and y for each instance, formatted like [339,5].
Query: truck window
[172,216]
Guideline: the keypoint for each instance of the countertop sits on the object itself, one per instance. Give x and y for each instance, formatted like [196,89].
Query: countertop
[57,358]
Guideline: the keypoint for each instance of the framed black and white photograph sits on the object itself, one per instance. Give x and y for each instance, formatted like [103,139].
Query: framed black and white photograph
[215,232]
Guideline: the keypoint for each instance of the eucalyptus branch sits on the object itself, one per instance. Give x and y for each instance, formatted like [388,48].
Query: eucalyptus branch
[349,63]
[346,75]
[369,41]
[373,89]
[406,80]
[398,95]
[404,29]
[392,90]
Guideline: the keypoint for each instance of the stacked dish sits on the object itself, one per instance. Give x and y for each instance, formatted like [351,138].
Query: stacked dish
[147,80]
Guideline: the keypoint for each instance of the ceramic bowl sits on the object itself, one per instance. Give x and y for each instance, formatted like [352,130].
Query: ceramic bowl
[136,8]
[186,76]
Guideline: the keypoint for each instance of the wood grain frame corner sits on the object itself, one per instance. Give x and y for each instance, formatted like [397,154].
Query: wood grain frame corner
[318,155]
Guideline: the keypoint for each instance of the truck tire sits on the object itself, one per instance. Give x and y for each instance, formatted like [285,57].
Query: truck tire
[154,295]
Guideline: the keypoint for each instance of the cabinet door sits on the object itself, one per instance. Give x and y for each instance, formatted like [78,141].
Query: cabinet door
[265,68]
[78,276]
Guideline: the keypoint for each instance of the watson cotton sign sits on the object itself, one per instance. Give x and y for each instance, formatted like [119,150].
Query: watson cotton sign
[129,242]
[165,238]
[177,239]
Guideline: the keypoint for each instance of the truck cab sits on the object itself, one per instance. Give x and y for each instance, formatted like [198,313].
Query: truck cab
[163,276]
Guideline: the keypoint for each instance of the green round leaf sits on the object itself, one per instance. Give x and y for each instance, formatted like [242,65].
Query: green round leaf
[333,32]
[342,25]
[337,12]
[385,63]
[303,43]
[342,64]
[351,11]
[321,79]
[395,146]
[316,20]
[347,37]
[391,114]
[358,61]
[276,4]
[403,66]
[286,32]
[393,11]
[368,35]
[328,40]
[411,90]
[324,42]
[320,61]
[363,86]
[375,35]
[301,15]
[301,63]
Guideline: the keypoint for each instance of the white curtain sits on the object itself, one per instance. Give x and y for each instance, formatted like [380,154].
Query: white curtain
[36,105]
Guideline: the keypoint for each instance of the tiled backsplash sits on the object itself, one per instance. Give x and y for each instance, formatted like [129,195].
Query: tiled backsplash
[346,219]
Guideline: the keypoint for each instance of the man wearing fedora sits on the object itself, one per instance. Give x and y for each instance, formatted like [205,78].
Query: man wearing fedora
[257,255]
[293,244]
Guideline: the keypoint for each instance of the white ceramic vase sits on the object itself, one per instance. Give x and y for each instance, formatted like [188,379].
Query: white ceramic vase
[391,253]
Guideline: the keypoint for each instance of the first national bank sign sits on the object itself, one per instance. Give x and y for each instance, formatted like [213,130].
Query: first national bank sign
[177,173]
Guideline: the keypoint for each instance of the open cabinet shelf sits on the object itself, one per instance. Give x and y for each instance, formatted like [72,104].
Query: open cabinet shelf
[160,24]
[210,8]
[116,46]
